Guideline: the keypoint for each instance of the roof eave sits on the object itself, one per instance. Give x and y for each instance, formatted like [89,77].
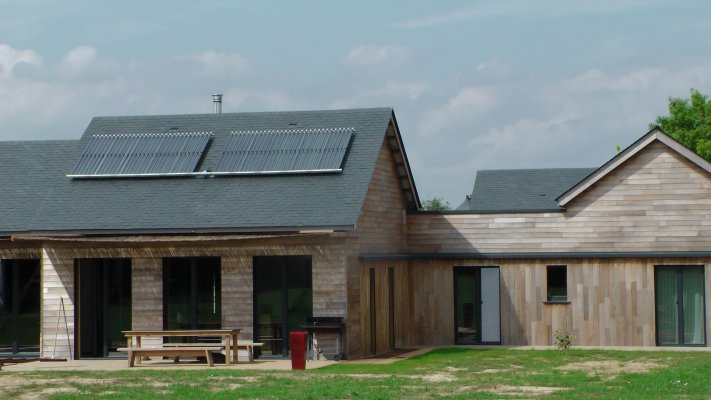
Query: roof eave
[180,231]
[403,154]
[633,149]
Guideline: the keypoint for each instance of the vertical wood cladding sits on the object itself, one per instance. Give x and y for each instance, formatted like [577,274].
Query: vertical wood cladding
[611,301]
[381,229]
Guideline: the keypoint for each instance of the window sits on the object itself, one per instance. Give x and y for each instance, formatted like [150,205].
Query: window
[557,283]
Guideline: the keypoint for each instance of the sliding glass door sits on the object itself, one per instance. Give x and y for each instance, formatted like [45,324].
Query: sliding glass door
[477,316]
[19,307]
[192,293]
[680,305]
[282,300]
[104,305]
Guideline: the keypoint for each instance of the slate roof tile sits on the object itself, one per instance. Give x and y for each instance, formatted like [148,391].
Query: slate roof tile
[521,189]
[44,199]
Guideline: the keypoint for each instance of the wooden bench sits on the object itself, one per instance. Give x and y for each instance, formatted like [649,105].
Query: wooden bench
[176,352]
[241,345]
[249,346]
[227,337]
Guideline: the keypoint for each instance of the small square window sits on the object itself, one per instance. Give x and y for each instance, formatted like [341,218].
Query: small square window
[557,283]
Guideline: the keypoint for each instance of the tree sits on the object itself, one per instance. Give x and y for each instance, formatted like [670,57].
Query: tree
[689,122]
[436,204]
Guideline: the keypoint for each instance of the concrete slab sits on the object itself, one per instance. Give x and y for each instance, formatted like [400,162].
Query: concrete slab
[119,365]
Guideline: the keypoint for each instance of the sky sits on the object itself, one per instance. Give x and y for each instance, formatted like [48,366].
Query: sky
[498,84]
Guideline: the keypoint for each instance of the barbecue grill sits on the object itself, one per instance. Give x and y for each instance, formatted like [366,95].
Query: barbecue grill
[323,326]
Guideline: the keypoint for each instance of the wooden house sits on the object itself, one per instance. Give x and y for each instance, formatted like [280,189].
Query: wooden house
[264,221]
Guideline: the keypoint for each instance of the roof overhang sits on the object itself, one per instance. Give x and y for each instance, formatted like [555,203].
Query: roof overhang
[655,134]
[402,165]
[222,232]
[144,239]
[533,255]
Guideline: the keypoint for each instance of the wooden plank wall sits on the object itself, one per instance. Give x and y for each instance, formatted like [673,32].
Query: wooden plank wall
[656,201]
[402,307]
[381,229]
[57,285]
[611,301]
[147,295]
[328,274]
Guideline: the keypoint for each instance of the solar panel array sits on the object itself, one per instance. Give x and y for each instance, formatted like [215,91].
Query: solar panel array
[139,154]
[285,151]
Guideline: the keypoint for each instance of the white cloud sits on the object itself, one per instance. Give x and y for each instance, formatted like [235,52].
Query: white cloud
[530,8]
[374,57]
[388,91]
[595,79]
[78,60]
[10,57]
[219,63]
[468,104]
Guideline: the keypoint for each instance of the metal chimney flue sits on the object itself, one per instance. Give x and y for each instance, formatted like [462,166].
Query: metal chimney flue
[217,101]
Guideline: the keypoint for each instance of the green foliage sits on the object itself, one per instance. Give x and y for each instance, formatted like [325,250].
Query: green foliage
[436,204]
[563,339]
[689,122]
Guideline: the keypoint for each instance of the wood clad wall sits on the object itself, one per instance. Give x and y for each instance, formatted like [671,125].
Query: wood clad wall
[147,295]
[402,307]
[381,229]
[328,273]
[237,293]
[656,201]
[611,301]
[57,285]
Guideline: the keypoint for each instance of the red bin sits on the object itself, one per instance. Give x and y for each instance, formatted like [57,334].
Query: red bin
[297,345]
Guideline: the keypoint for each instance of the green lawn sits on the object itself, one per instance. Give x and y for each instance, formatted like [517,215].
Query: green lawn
[454,373]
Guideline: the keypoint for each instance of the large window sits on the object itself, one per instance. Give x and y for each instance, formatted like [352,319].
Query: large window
[19,306]
[282,300]
[103,294]
[557,278]
[477,311]
[680,305]
[192,292]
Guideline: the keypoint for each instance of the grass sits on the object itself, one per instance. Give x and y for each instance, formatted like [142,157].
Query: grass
[453,373]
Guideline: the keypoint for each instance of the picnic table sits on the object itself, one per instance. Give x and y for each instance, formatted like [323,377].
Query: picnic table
[228,343]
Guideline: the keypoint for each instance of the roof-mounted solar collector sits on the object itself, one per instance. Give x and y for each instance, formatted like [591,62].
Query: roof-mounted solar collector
[285,151]
[141,154]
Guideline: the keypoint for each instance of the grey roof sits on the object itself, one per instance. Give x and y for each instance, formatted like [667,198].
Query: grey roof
[39,197]
[521,190]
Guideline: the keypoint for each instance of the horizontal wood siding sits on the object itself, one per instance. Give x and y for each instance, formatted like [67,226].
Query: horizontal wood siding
[328,275]
[656,201]
[611,301]
[57,333]
[147,296]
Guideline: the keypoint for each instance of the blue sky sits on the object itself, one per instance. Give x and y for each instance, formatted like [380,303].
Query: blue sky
[475,85]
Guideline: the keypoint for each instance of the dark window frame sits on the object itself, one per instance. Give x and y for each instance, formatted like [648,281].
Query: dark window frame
[557,285]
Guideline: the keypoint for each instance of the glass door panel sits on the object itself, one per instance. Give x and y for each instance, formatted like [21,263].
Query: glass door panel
[680,305]
[283,300]
[477,308]
[19,306]
[667,305]
[192,293]
[103,292]
[467,305]
[693,306]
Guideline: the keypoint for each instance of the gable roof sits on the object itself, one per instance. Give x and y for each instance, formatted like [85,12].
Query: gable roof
[655,134]
[521,190]
[44,199]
